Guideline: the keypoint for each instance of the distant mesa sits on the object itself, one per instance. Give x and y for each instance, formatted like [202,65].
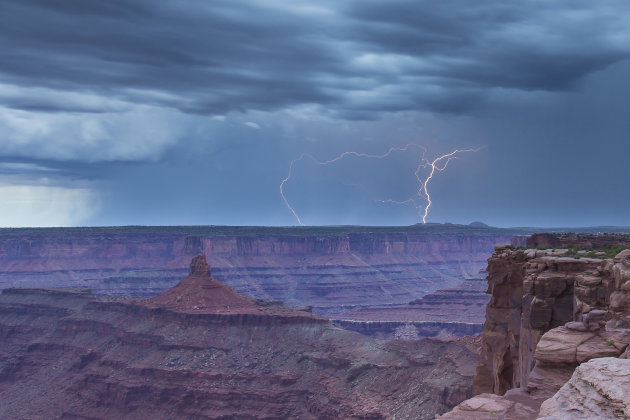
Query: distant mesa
[472,224]
[478,225]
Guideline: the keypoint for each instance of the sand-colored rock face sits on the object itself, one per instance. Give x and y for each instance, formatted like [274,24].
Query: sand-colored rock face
[565,346]
[598,389]
[620,297]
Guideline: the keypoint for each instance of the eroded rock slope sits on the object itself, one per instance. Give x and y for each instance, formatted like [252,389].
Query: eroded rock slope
[202,351]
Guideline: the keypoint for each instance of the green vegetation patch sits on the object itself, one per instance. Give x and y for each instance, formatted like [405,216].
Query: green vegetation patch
[607,251]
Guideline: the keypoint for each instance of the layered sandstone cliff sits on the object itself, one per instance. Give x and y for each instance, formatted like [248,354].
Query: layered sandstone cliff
[202,351]
[333,269]
[550,311]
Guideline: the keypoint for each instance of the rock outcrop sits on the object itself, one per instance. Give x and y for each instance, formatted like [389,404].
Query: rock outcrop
[533,292]
[202,351]
[598,389]
[548,314]
[200,293]
[494,407]
[498,366]
[333,269]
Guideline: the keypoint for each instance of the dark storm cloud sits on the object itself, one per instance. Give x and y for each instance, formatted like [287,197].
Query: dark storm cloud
[356,59]
[524,45]
[190,111]
[207,57]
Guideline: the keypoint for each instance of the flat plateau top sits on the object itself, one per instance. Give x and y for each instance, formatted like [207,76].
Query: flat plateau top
[429,228]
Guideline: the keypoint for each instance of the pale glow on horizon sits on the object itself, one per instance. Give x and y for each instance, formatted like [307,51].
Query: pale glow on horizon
[45,206]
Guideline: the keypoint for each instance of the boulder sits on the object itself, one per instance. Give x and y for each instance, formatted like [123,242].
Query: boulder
[623,257]
[598,389]
[620,337]
[545,380]
[595,315]
[560,345]
[620,302]
[580,326]
[491,407]
[588,280]
[596,347]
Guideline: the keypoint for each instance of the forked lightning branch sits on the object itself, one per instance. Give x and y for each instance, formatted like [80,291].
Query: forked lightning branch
[421,200]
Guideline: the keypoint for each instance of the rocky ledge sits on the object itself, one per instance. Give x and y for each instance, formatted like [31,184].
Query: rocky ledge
[550,311]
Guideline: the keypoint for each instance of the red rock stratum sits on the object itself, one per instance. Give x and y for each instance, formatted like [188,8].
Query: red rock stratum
[333,269]
[202,351]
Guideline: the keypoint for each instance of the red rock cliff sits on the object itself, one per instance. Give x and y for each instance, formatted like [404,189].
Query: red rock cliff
[332,269]
[532,292]
[548,314]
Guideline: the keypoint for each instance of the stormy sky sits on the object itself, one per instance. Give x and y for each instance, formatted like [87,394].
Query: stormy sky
[125,112]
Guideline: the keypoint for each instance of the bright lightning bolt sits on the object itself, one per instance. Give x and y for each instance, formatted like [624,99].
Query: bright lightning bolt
[423,163]
[434,166]
[335,159]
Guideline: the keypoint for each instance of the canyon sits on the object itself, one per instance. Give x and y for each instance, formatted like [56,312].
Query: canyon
[554,344]
[201,350]
[332,269]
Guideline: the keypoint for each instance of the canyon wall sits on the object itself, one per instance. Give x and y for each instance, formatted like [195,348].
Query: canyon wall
[533,291]
[202,351]
[333,269]
[550,311]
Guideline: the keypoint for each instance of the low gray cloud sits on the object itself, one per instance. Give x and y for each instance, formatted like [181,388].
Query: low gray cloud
[143,133]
